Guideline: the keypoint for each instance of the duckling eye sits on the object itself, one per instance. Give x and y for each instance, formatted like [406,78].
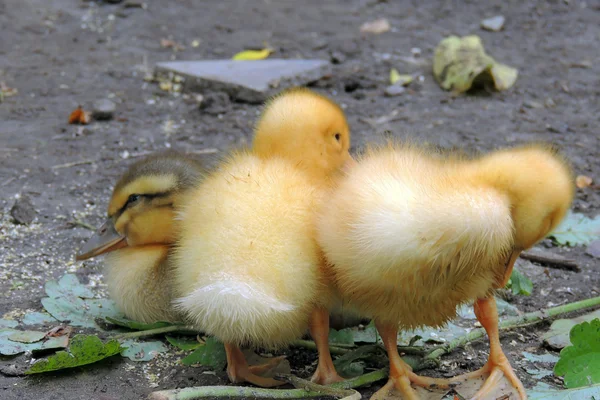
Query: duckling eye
[337,137]
[132,199]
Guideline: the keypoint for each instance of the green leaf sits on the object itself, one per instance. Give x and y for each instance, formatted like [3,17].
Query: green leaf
[347,364]
[38,318]
[519,283]
[557,336]
[543,391]
[27,336]
[580,363]
[9,347]
[80,312]
[84,349]
[212,354]
[142,351]
[576,230]
[184,344]
[341,337]
[138,326]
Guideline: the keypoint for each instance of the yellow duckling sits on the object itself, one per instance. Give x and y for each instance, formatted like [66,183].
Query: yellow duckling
[414,235]
[139,233]
[248,268]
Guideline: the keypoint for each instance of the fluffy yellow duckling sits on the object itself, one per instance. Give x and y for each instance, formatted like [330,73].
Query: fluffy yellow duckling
[248,268]
[139,233]
[414,235]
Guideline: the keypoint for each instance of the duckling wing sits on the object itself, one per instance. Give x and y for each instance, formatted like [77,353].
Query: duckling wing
[247,265]
[409,240]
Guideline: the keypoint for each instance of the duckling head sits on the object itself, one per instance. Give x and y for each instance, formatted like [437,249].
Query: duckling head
[142,206]
[307,128]
[540,188]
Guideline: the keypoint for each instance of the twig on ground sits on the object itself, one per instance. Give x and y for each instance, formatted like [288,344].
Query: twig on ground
[551,260]
[73,164]
[309,344]
[299,383]
[157,331]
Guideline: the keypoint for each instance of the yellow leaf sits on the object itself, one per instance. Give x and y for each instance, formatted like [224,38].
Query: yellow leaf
[248,55]
[396,77]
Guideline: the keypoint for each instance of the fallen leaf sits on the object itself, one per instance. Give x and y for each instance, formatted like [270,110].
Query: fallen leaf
[138,326]
[543,391]
[583,181]
[377,27]
[397,78]
[343,337]
[8,323]
[184,344]
[83,350]
[347,364]
[557,336]
[519,283]
[78,116]
[576,230]
[252,55]
[38,318]
[459,62]
[212,354]
[168,43]
[142,350]
[59,331]
[580,363]
[27,336]
[9,347]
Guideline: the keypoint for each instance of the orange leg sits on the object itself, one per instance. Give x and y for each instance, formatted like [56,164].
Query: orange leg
[239,371]
[497,365]
[319,330]
[401,375]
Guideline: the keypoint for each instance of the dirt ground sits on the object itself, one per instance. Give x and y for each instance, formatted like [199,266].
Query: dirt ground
[62,53]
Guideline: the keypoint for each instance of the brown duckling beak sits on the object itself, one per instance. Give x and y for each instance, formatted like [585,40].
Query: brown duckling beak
[104,240]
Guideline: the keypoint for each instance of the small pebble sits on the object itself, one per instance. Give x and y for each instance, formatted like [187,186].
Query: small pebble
[23,211]
[337,57]
[394,90]
[493,24]
[103,110]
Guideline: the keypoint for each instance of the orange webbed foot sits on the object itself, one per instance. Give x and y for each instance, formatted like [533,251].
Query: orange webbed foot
[239,371]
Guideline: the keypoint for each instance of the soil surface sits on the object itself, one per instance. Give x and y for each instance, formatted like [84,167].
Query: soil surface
[63,53]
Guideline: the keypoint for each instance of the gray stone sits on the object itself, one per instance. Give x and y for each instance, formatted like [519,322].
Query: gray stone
[493,24]
[103,109]
[245,81]
[23,211]
[394,90]
[593,249]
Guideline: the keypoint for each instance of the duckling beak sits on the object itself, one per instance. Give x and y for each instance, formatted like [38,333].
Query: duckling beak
[509,266]
[105,239]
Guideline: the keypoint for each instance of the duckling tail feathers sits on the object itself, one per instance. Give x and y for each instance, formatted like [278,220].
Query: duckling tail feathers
[242,313]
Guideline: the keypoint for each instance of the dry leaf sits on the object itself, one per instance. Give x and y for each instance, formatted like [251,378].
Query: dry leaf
[59,331]
[583,181]
[168,43]
[378,26]
[458,62]
[78,116]
[400,79]
[251,55]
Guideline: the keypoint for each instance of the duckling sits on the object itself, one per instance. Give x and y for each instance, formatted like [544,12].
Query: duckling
[247,266]
[139,233]
[413,235]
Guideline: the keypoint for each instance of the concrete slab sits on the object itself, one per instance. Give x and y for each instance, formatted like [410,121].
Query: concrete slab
[247,81]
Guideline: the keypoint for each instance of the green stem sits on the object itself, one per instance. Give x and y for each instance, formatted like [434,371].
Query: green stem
[156,331]
[309,344]
[515,322]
